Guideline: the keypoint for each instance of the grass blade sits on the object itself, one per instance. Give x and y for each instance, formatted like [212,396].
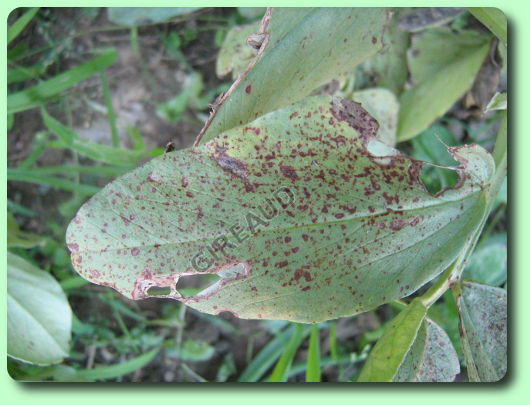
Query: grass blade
[101,153]
[45,91]
[266,357]
[111,114]
[55,182]
[20,24]
[313,356]
[118,370]
[281,370]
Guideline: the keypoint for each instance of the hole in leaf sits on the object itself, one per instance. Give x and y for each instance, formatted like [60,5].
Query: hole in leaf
[436,178]
[154,291]
[190,285]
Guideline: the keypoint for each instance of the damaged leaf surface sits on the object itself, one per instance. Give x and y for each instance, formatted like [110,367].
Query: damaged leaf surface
[431,358]
[301,49]
[303,215]
[235,54]
[483,323]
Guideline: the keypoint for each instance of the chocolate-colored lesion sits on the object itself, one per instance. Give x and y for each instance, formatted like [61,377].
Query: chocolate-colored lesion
[356,116]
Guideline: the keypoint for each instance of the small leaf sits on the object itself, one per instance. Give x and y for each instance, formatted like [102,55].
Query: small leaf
[384,107]
[235,54]
[134,16]
[39,318]
[389,353]
[488,263]
[193,350]
[431,358]
[483,322]
[494,19]
[498,102]
[251,13]
[302,215]
[311,45]
[18,238]
[443,66]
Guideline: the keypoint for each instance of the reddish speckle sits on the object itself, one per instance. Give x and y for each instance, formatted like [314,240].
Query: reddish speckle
[74,247]
[135,251]
[189,194]
[289,172]
[248,89]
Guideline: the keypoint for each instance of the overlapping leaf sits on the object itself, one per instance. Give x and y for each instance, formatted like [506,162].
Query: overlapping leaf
[38,315]
[302,214]
[483,321]
[301,49]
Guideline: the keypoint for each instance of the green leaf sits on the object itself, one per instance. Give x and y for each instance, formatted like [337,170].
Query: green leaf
[483,322]
[389,353]
[498,102]
[39,318]
[43,92]
[18,238]
[281,370]
[101,153]
[118,370]
[443,65]
[384,107]
[431,358]
[388,68]
[251,13]
[445,314]
[194,350]
[267,356]
[134,16]
[303,215]
[488,264]
[494,19]
[311,45]
[313,356]
[235,54]
[21,23]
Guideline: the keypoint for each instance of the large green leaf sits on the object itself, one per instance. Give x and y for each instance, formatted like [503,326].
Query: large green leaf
[483,322]
[39,318]
[303,214]
[443,66]
[302,49]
